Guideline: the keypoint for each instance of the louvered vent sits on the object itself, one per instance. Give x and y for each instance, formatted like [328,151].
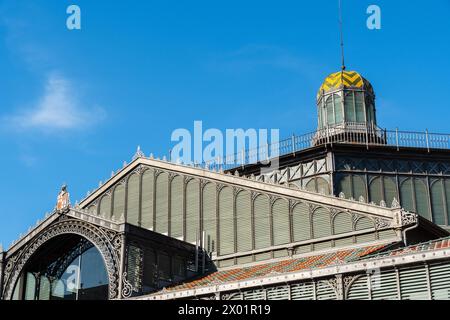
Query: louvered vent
[281,225]
[302,291]
[243,221]
[176,207]
[133,200]
[162,205]
[262,222]
[226,221]
[209,217]
[147,199]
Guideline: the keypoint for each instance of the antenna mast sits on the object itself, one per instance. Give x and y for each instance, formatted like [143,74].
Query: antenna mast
[342,35]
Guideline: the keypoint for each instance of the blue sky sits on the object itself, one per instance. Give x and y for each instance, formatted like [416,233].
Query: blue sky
[75,104]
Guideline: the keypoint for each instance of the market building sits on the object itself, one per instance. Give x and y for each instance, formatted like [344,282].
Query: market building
[353,211]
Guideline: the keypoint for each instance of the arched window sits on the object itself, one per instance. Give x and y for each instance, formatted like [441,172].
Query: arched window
[437,202]
[281,225]
[406,192]
[133,200]
[105,207]
[349,106]
[301,222]
[162,203]
[209,217]
[342,223]
[330,111]
[226,221]
[147,199]
[390,190]
[338,112]
[244,221]
[176,207]
[262,222]
[359,187]
[375,190]
[421,198]
[359,103]
[322,186]
[119,202]
[321,223]
[192,210]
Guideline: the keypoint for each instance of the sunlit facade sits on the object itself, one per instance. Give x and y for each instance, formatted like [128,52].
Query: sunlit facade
[353,211]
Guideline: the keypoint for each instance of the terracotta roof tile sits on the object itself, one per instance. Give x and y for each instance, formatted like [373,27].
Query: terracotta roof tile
[285,266]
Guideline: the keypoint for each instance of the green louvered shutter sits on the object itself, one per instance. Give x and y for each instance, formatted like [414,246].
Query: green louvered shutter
[262,222]
[390,190]
[176,207]
[413,283]
[302,291]
[254,295]
[311,185]
[342,223]
[278,293]
[44,288]
[147,199]
[162,203]
[322,186]
[105,207]
[321,222]
[209,217]
[384,285]
[301,222]
[244,221]
[325,291]
[422,198]
[359,188]
[375,191]
[30,287]
[192,211]
[440,284]
[437,202]
[119,202]
[344,186]
[406,192]
[447,196]
[359,289]
[226,221]
[364,224]
[281,225]
[133,200]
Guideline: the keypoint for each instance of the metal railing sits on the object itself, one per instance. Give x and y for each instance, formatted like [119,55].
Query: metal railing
[349,133]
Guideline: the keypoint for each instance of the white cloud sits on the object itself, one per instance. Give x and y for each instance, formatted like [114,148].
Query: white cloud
[58,108]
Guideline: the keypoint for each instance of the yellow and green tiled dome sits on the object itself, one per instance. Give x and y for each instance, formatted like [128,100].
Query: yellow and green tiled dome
[345,79]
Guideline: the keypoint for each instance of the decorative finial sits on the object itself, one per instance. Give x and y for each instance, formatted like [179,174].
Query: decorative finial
[124,164]
[139,153]
[63,199]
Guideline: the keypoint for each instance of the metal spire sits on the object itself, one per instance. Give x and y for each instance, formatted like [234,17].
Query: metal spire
[342,34]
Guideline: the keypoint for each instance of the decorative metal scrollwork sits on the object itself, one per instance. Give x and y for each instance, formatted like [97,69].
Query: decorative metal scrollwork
[101,237]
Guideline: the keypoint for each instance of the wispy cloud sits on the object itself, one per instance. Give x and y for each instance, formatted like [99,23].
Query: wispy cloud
[59,108]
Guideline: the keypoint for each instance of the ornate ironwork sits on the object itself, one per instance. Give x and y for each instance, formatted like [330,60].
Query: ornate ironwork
[105,240]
